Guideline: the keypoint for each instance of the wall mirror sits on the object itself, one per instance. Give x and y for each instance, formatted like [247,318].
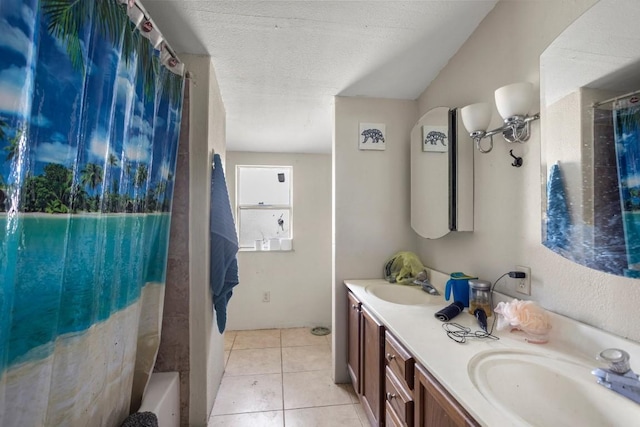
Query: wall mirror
[441,175]
[590,102]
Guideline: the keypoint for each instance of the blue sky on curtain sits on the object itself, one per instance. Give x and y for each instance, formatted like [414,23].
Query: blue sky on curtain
[89,125]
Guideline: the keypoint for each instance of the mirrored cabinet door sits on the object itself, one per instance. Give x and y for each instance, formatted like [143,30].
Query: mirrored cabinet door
[441,175]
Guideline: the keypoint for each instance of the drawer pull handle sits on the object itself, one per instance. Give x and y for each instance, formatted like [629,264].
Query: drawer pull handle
[390,357]
[354,306]
[390,396]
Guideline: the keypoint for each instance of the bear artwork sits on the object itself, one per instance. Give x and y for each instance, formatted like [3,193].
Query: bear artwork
[433,137]
[374,134]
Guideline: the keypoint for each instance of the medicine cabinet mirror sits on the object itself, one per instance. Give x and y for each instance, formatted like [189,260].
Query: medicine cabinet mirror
[441,175]
[590,101]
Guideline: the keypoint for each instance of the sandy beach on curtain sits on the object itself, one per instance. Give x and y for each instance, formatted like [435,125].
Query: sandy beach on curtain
[91,369]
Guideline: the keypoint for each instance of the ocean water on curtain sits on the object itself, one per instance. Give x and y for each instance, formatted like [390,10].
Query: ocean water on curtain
[55,284]
[627,136]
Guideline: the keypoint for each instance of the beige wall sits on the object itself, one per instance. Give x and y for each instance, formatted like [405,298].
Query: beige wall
[299,281]
[371,200]
[504,49]
[206,133]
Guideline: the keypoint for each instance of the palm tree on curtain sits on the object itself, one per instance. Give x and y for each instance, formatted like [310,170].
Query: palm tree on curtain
[3,193]
[4,124]
[166,183]
[140,179]
[91,176]
[13,148]
[124,201]
[112,196]
[68,18]
[141,175]
[160,191]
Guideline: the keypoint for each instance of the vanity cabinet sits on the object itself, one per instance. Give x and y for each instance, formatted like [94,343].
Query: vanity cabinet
[399,380]
[394,390]
[366,360]
[353,343]
[435,407]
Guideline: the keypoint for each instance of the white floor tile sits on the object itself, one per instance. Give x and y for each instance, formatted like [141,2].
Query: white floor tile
[316,388]
[229,337]
[249,393]
[261,338]
[326,416]
[301,336]
[307,358]
[251,419]
[254,361]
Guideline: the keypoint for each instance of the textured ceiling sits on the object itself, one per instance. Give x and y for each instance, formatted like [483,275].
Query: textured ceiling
[279,63]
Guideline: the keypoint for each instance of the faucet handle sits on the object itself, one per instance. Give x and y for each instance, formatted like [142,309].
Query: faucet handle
[616,359]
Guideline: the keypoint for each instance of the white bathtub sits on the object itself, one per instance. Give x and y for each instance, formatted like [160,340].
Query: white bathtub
[162,397]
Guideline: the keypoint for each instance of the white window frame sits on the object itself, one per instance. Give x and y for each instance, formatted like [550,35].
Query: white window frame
[240,207]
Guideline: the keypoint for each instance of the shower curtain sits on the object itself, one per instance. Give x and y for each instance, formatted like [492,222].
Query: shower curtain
[89,127]
[626,118]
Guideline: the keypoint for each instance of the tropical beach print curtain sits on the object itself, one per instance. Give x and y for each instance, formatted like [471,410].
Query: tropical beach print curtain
[89,123]
[626,118]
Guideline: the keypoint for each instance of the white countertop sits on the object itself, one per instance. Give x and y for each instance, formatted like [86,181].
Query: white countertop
[422,334]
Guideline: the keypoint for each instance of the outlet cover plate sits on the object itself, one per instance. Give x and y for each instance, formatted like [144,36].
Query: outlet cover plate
[523,286]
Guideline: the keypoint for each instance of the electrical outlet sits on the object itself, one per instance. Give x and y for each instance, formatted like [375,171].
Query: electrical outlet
[523,286]
[266,296]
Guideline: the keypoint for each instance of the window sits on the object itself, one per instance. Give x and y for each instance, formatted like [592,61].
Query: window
[264,203]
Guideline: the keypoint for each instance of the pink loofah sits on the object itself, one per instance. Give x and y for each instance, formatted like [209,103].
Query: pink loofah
[526,316]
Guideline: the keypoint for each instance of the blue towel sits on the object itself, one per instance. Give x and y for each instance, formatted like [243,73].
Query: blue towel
[223,263]
[558,219]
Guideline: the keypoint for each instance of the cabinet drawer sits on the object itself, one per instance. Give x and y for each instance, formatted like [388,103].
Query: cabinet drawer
[391,418]
[399,360]
[399,398]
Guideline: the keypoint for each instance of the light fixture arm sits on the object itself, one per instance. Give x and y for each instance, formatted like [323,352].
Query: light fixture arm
[477,137]
[515,129]
[512,102]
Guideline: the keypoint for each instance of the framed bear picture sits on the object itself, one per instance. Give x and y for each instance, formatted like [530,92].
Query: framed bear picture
[435,139]
[372,136]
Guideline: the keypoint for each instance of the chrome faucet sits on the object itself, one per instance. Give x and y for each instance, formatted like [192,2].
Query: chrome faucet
[618,377]
[426,286]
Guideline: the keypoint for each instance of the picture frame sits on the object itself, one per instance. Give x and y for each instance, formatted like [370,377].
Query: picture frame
[435,139]
[372,136]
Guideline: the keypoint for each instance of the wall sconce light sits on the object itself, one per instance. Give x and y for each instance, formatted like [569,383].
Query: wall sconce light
[513,103]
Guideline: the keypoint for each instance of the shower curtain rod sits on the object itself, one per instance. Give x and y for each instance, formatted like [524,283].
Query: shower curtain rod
[615,98]
[142,15]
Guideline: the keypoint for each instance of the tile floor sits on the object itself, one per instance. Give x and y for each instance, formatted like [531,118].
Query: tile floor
[282,377]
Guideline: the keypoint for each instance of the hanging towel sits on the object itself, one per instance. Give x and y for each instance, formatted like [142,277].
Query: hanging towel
[223,263]
[558,220]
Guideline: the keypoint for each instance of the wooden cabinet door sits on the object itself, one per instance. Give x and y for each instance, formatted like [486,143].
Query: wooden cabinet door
[354,339]
[372,368]
[434,406]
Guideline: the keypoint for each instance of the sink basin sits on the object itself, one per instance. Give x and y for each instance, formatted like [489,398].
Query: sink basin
[544,391]
[402,294]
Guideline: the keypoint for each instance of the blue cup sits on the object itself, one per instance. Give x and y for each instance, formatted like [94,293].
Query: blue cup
[458,285]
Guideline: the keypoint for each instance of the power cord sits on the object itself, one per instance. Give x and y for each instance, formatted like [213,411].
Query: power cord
[459,333]
[493,323]
[513,275]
